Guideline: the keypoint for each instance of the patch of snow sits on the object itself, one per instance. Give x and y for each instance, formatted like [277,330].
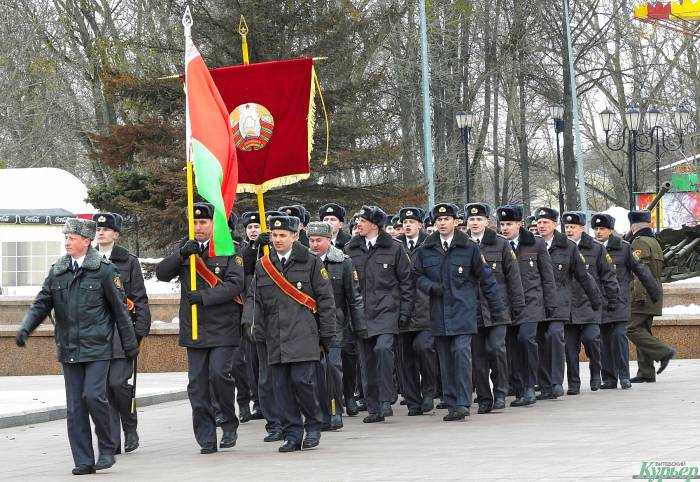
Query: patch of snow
[691,309]
[43,188]
[622,224]
[688,281]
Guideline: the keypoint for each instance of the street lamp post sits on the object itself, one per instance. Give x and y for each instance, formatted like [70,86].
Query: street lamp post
[639,141]
[465,122]
[557,112]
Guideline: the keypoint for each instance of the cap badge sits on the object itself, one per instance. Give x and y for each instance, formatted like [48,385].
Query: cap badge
[329,210]
[474,210]
[409,213]
[198,212]
[597,221]
[568,218]
[442,209]
[288,211]
[278,223]
[101,219]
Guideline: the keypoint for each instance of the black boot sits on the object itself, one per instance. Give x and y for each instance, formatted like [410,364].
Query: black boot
[351,408]
[131,441]
[311,440]
[245,416]
[105,461]
[228,440]
[83,470]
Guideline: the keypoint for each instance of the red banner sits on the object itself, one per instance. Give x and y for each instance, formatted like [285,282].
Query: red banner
[271,108]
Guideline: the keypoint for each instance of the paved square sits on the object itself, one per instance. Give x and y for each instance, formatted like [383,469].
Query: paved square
[601,436]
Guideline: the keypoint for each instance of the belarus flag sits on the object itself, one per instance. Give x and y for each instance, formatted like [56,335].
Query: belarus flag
[210,147]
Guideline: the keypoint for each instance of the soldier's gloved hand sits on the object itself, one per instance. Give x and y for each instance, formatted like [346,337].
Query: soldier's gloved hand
[195,298]
[189,248]
[436,289]
[404,321]
[132,353]
[516,313]
[549,312]
[612,306]
[263,239]
[595,305]
[655,298]
[21,337]
[326,344]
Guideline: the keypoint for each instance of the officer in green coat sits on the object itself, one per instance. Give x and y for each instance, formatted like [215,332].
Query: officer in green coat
[646,248]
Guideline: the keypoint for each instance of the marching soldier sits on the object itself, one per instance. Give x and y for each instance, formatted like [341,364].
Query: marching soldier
[384,271]
[462,223]
[268,407]
[450,268]
[584,326]
[349,312]
[489,343]
[614,342]
[531,224]
[210,356]
[646,248]
[537,278]
[302,215]
[85,292]
[418,358]
[429,225]
[121,368]
[290,290]
[334,214]
[568,266]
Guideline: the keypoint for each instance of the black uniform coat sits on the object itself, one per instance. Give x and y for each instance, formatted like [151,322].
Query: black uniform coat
[290,330]
[87,306]
[600,267]
[537,276]
[420,318]
[349,309]
[135,289]
[460,272]
[385,279]
[504,265]
[342,239]
[570,265]
[218,318]
[626,268]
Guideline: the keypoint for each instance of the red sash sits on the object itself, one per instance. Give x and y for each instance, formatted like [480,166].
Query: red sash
[287,288]
[130,306]
[210,278]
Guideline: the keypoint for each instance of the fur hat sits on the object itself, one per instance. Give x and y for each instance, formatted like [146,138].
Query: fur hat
[445,209]
[319,228]
[477,209]
[510,212]
[203,210]
[547,213]
[373,214]
[81,227]
[411,213]
[108,220]
[601,220]
[639,216]
[249,217]
[289,223]
[574,217]
[331,209]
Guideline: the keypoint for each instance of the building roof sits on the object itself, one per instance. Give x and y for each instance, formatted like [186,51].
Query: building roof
[42,191]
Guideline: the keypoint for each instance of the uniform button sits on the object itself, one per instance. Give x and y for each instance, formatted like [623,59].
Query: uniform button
[71,359]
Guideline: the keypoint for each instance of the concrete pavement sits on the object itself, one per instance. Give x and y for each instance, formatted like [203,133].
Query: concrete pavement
[601,436]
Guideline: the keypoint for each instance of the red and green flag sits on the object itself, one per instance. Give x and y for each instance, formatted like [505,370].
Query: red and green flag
[210,147]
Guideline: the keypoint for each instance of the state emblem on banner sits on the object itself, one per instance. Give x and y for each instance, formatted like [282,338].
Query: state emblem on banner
[252,126]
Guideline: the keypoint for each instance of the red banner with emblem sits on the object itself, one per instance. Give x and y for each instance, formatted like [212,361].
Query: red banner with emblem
[271,109]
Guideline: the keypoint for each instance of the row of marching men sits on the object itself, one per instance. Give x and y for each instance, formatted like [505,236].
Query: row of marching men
[431,316]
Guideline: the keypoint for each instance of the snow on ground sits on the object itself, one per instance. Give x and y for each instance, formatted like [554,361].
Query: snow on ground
[691,309]
[688,281]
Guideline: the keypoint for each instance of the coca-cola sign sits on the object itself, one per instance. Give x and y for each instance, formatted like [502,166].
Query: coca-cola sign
[8,219]
[33,219]
[59,219]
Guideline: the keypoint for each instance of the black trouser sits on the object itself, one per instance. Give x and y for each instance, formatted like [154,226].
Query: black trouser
[86,398]
[418,367]
[551,348]
[455,355]
[119,392]
[209,373]
[575,335]
[522,347]
[614,351]
[377,365]
[295,390]
[266,393]
[351,370]
[330,371]
[240,376]
[489,355]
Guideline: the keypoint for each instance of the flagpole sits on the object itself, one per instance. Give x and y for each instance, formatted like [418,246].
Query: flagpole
[187,23]
[243,32]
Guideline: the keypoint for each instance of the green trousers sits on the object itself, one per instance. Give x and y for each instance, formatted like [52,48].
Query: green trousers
[649,348]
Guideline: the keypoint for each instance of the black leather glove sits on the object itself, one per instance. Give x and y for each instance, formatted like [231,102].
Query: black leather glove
[21,337]
[326,344]
[263,239]
[404,321]
[190,247]
[436,290]
[195,297]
